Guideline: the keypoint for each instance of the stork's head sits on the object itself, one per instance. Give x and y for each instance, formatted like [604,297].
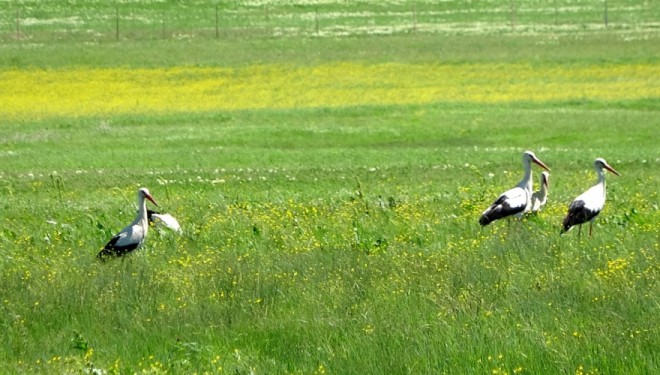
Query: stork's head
[601,164]
[150,214]
[529,157]
[144,193]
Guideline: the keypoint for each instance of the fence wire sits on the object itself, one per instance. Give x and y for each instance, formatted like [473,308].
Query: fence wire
[97,21]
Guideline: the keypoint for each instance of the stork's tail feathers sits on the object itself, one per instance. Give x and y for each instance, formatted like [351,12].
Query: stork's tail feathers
[495,212]
[566,225]
[104,255]
[485,220]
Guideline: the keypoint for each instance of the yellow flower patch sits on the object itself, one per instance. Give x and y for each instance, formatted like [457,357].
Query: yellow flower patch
[33,93]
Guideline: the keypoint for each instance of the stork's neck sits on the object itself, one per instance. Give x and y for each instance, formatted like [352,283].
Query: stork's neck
[141,217]
[526,182]
[601,175]
[601,178]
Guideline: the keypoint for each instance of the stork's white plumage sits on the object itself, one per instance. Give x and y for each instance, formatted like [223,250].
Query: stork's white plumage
[540,197]
[588,204]
[514,201]
[131,237]
[166,220]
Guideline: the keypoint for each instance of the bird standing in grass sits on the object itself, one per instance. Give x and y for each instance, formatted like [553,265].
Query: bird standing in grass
[588,204]
[166,220]
[515,201]
[540,197]
[133,236]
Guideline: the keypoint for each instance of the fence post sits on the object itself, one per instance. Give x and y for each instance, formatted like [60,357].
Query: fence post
[414,16]
[316,20]
[217,30]
[18,24]
[116,23]
[605,14]
[513,15]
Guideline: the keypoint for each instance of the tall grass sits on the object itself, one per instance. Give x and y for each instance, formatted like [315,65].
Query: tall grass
[333,239]
[353,249]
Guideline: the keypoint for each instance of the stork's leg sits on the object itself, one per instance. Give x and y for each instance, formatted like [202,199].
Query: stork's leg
[579,230]
[591,226]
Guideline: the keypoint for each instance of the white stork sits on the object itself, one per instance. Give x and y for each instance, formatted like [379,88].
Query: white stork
[131,237]
[588,204]
[166,220]
[514,201]
[539,198]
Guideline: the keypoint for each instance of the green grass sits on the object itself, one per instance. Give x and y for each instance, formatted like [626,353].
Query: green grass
[344,238]
[38,22]
[338,240]
[418,48]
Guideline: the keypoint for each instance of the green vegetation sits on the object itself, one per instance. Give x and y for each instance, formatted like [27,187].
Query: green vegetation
[331,240]
[39,21]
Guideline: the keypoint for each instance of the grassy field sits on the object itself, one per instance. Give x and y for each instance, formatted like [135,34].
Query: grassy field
[329,190]
[43,21]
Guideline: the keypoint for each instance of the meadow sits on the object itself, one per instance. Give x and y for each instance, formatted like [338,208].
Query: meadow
[329,188]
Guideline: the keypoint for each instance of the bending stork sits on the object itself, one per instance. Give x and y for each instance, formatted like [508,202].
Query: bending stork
[166,220]
[588,204]
[131,237]
[514,201]
[539,198]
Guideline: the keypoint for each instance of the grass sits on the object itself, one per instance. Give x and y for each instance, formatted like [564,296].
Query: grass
[337,251]
[84,91]
[37,22]
[332,239]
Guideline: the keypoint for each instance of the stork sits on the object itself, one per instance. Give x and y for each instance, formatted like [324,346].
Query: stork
[131,237]
[588,204]
[166,220]
[539,198]
[515,201]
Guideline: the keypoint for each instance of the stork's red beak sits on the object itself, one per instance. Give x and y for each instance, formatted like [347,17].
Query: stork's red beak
[151,199]
[606,166]
[540,164]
